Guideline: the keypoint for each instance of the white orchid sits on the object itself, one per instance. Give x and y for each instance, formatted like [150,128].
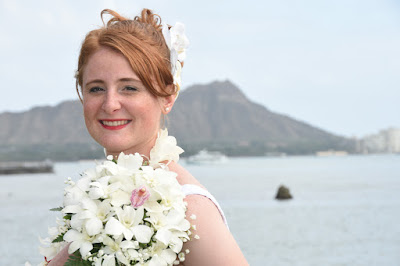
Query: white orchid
[79,240]
[127,224]
[113,249]
[165,149]
[177,43]
[170,228]
[94,213]
[74,194]
[125,211]
[102,188]
[49,249]
[130,161]
[163,256]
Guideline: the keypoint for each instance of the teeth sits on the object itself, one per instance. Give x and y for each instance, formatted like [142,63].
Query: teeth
[115,123]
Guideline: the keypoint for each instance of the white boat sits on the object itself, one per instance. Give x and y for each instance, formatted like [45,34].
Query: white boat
[9,168]
[207,157]
[331,153]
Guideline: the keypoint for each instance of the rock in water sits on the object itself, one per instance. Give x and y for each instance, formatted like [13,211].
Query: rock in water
[283,193]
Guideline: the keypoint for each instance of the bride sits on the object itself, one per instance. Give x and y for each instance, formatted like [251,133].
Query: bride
[128,79]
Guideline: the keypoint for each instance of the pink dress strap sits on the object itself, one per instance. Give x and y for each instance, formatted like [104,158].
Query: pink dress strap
[190,189]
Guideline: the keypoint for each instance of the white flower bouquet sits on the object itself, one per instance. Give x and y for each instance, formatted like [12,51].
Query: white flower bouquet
[128,211]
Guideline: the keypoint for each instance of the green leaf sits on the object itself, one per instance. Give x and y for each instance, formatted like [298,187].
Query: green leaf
[59,238]
[56,209]
[68,216]
[96,248]
[75,259]
[144,245]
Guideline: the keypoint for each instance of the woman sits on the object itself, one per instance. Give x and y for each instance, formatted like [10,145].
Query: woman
[128,74]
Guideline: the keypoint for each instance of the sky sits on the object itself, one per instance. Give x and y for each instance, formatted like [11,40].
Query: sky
[332,64]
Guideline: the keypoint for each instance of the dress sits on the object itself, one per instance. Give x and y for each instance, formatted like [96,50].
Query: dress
[190,189]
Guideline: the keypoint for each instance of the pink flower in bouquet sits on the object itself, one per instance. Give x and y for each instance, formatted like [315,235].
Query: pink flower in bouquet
[139,196]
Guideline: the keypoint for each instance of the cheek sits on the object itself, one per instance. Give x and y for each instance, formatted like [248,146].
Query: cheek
[148,109]
[89,110]
[148,116]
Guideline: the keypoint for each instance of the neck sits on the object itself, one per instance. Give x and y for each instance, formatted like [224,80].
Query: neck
[143,149]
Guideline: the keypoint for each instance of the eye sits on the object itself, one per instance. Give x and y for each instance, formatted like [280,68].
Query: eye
[130,88]
[95,89]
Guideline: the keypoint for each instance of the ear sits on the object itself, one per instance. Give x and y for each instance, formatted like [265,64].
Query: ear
[167,103]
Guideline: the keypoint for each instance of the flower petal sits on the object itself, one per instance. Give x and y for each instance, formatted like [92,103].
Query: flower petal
[109,261]
[168,255]
[163,235]
[176,245]
[85,248]
[142,233]
[114,227]
[74,246]
[72,235]
[121,258]
[119,197]
[93,226]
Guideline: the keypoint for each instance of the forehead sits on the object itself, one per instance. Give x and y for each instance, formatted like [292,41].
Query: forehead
[106,63]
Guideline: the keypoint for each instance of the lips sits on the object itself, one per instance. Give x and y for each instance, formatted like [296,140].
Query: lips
[114,124]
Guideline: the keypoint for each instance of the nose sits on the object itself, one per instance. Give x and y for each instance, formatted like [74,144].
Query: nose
[111,102]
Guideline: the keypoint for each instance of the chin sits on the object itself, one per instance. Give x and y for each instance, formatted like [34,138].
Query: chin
[114,147]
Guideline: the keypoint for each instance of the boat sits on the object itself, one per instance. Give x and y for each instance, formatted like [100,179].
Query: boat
[8,168]
[331,153]
[207,157]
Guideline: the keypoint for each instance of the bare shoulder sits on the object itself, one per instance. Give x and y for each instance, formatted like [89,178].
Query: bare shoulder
[216,245]
[184,177]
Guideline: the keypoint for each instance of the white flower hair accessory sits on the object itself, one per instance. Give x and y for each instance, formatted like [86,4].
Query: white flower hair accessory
[177,43]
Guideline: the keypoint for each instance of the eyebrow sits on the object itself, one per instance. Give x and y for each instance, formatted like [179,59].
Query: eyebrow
[120,80]
[94,81]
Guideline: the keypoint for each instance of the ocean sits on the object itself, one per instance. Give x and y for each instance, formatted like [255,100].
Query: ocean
[344,211]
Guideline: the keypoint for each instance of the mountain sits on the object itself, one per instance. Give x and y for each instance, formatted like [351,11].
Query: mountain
[62,124]
[217,116]
[221,111]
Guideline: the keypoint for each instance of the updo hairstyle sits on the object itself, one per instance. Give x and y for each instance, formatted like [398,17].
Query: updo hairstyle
[142,43]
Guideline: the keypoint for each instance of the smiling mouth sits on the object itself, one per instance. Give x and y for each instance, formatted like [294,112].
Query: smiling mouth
[114,123]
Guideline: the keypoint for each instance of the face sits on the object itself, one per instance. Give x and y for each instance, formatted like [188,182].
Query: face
[120,113]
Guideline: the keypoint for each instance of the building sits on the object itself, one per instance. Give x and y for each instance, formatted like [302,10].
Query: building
[386,141]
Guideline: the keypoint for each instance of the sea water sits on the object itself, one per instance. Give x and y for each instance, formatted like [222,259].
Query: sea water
[344,211]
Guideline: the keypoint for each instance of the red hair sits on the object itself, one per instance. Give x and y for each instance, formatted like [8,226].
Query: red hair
[142,43]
